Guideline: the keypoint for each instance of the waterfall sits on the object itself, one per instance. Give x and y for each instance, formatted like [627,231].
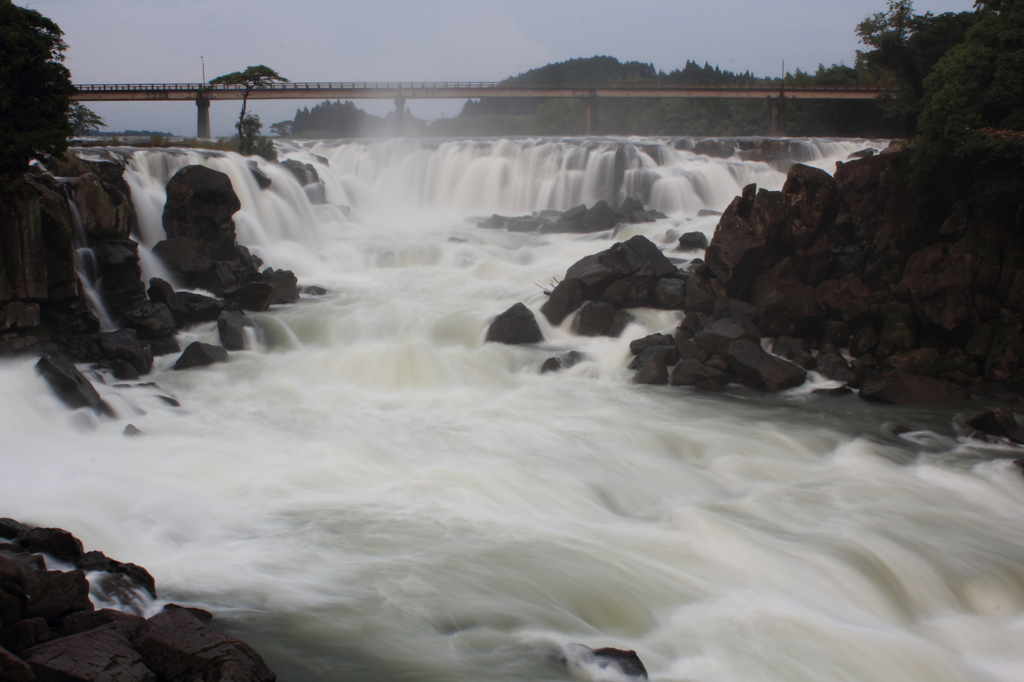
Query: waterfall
[85,264]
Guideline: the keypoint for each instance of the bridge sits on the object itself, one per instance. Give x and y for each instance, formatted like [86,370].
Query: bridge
[202,94]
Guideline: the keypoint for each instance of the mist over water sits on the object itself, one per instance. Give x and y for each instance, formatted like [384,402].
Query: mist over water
[371,492]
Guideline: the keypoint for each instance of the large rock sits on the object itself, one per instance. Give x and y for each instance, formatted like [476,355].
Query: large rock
[669,293]
[55,594]
[188,308]
[600,217]
[691,372]
[740,244]
[14,669]
[178,646]
[600,319]
[69,384]
[517,325]
[996,422]
[785,305]
[755,368]
[187,258]
[56,542]
[125,346]
[654,371]
[100,655]
[285,286]
[720,333]
[903,389]
[812,204]
[200,203]
[938,280]
[231,328]
[119,275]
[847,299]
[198,354]
[564,300]
[637,256]
[631,292]
[899,330]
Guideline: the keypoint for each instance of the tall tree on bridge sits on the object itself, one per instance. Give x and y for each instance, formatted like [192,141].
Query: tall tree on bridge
[252,78]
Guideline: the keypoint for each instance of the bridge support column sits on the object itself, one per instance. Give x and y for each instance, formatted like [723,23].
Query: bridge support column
[593,114]
[399,115]
[778,124]
[203,106]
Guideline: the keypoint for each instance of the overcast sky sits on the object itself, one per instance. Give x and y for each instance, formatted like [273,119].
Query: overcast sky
[161,41]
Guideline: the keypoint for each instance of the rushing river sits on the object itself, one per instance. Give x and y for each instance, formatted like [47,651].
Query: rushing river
[371,492]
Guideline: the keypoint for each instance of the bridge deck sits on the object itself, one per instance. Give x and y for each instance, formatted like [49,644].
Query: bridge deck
[410,90]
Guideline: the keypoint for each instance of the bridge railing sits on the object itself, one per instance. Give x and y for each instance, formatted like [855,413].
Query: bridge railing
[471,86]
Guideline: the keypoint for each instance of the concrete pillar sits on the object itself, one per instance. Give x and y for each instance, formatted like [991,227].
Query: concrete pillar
[399,115]
[778,124]
[592,114]
[203,126]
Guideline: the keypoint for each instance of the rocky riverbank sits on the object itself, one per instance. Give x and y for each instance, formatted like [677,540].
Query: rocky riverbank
[832,274]
[50,630]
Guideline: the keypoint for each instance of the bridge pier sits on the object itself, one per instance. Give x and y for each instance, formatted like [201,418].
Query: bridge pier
[203,124]
[399,115]
[778,124]
[592,114]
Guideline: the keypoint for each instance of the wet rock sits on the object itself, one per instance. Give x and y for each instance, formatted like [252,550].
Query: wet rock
[55,594]
[654,371]
[71,387]
[200,205]
[667,352]
[83,621]
[24,634]
[699,296]
[13,669]
[184,257]
[938,282]
[837,392]
[259,176]
[1006,353]
[517,325]
[685,346]
[285,286]
[865,341]
[564,299]
[178,646]
[199,354]
[304,173]
[903,389]
[899,330]
[151,321]
[314,290]
[638,346]
[737,250]
[637,256]
[188,308]
[717,335]
[582,661]
[164,346]
[692,241]
[786,306]
[600,319]
[137,575]
[566,361]
[997,422]
[132,430]
[755,368]
[836,334]
[600,217]
[231,328]
[833,366]
[254,295]
[56,542]
[930,362]
[670,293]
[125,346]
[631,292]
[690,372]
[100,655]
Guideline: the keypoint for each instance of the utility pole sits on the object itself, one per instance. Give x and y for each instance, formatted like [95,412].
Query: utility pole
[203,62]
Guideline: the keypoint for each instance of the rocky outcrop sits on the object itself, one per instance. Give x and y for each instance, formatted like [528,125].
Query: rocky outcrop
[49,629]
[580,219]
[517,325]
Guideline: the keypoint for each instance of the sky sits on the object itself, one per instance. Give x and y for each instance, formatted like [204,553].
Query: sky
[163,41]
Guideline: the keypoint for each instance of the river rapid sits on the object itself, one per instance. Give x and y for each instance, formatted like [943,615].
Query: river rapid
[371,492]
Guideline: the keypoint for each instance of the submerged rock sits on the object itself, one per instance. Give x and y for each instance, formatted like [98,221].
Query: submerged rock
[70,385]
[517,325]
[603,664]
[199,354]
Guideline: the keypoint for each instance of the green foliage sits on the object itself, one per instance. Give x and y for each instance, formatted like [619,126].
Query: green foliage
[253,77]
[971,128]
[341,119]
[157,140]
[282,128]
[84,120]
[251,142]
[35,88]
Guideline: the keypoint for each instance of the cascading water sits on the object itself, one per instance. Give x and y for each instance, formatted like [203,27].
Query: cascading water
[85,264]
[373,492]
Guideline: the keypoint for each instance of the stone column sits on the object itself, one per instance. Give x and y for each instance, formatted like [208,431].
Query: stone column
[778,124]
[592,114]
[399,115]
[203,106]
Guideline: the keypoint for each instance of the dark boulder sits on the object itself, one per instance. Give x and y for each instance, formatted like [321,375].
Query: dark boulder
[600,319]
[125,346]
[55,594]
[637,256]
[188,308]
[899,330]
[739,246]
[654,370]
[199,354]
[691,372]
[699,296]
[669,293]
[127,624]
[938,281]
[564,299]
[187,258]
[254,295]
[151,321]
[98,561]
[285,286]
[517,325]
[600,217]
[835,333]
[304,173]
[231,328]
[259,176]
[99,655]
[833,366]
[668,352]
[785,305]
[24,634]
[14,669]
[160,291]
[996,422]
[178,646]
[631,292]
[716,336]
[755,368]
[795,350]
[903,389]
[692,241]
[865,341]
[566,361]
[56,542]
[638,346]
[69,384]
[200,203]
[812,204]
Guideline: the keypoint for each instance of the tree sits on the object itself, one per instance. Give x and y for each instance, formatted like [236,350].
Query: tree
[84,120]
[281,128]
[252,78]
[35,88]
